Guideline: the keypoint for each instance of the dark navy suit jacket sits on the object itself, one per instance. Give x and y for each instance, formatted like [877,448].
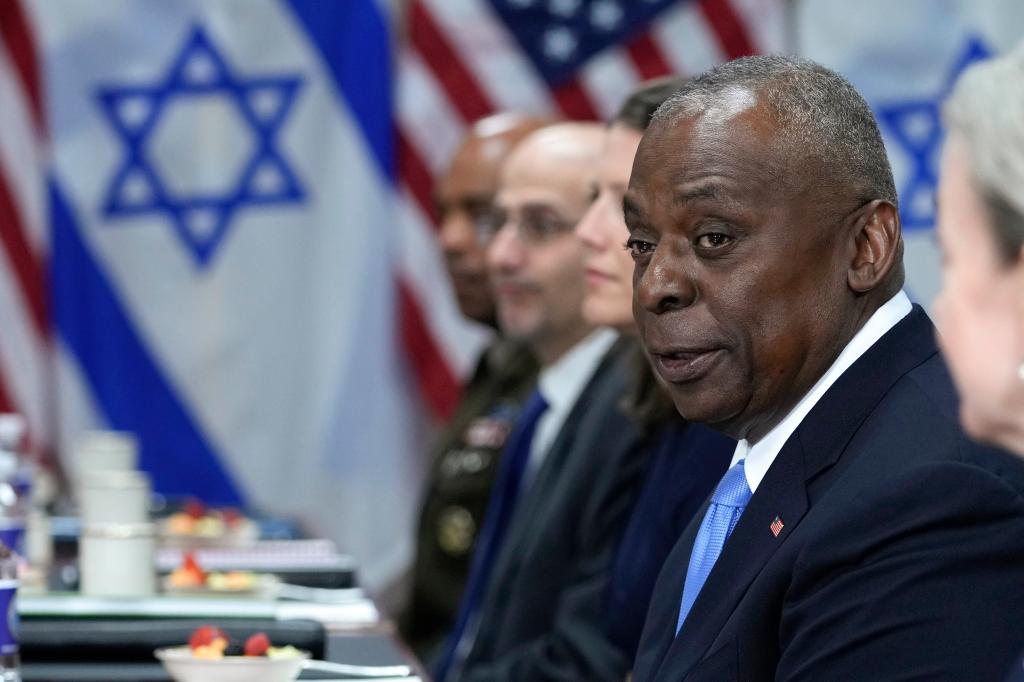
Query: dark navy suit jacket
[1017,671]
[541,617]
[901,554]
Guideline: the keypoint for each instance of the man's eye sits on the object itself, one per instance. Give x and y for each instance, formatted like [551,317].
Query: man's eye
[713,240]
[487,224]
[638,247]
[541,227]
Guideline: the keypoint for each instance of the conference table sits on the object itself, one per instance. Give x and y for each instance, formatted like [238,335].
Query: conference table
[314,604]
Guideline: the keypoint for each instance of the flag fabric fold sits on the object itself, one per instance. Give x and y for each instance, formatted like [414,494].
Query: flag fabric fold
[227,259]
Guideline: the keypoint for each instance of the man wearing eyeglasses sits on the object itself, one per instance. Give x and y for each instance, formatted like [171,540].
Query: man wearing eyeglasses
[561,496]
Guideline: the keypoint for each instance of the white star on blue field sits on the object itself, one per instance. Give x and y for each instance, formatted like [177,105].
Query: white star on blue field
[201,215]
[916,126]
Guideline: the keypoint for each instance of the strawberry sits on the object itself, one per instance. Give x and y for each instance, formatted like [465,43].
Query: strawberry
[205,635]
[257,645]
[195,508]
[232,517]
[191,567]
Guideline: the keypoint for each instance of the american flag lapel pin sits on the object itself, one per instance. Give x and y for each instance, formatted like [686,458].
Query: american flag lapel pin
[777,526]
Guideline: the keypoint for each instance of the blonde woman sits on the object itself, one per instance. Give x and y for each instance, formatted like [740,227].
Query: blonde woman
[980,312]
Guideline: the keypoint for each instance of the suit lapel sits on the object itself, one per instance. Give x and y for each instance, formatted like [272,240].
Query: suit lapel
[781,494]
[515,547]
[840,412]
[816,445]
[549,473]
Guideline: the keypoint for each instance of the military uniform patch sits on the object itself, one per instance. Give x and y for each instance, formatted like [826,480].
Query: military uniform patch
[487,432]
[462,462]
[456,530]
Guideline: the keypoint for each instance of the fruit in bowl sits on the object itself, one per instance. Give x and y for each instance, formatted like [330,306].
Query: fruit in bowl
[208,658]
[192,579]
[189,575]
[208,642]
[197,524]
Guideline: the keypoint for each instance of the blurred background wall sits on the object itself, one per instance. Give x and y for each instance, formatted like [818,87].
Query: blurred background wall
[216,223]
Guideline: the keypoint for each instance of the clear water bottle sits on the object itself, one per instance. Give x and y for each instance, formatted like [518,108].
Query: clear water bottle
[10,662]
[15,482]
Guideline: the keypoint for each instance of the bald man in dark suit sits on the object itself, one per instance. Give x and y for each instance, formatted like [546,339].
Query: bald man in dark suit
[858,535]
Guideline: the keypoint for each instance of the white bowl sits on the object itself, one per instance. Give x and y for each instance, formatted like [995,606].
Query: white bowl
[184,667]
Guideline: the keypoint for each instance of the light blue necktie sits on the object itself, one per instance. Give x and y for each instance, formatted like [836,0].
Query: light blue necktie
[727,504]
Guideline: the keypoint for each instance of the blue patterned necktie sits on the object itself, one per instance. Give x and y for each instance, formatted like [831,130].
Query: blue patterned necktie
[499,511]
[727,504]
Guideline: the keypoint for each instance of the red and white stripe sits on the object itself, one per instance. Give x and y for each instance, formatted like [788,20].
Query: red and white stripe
[458,63]
[25,339]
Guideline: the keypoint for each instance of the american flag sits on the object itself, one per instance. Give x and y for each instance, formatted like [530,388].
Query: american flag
[461,60]
[25,340]
[458,60]
[777,526]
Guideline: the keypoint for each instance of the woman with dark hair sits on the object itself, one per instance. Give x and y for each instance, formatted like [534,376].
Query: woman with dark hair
[684,461]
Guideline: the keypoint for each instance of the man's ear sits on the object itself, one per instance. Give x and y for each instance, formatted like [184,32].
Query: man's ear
[876,241]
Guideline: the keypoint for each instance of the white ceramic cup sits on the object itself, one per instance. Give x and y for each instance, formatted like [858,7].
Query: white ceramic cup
[113,497]
[116,560]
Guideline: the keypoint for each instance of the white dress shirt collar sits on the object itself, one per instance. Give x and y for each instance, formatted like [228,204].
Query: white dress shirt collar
[759,457]
[561,384]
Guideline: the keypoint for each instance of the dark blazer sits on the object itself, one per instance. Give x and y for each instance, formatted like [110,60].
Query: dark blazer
[901,555]
[684,465]
[1016,671]
[542,616]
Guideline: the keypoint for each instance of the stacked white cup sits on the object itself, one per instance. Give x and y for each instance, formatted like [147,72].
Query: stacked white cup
[118,541]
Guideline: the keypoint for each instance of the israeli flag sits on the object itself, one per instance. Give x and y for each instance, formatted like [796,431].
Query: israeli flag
[224,241]
[904,57]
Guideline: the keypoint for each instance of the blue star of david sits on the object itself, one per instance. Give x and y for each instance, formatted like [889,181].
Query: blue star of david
[916,125]
[200,217]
